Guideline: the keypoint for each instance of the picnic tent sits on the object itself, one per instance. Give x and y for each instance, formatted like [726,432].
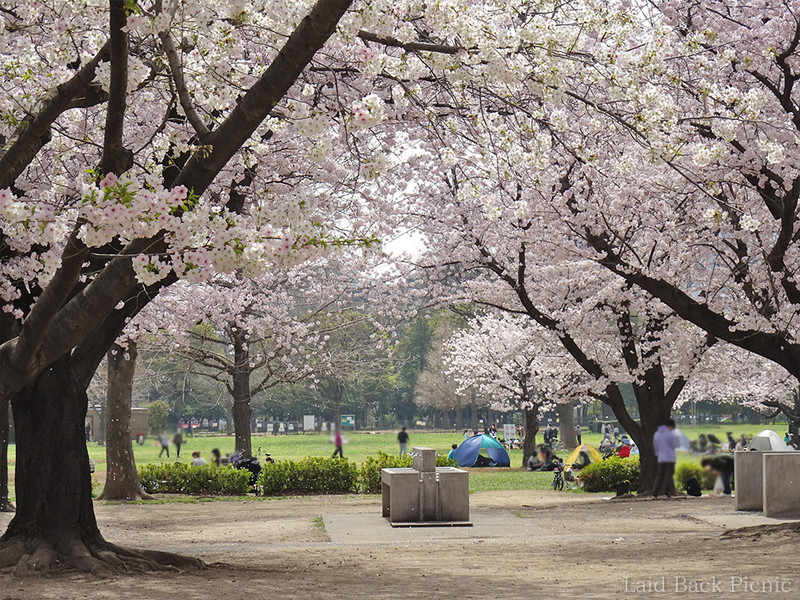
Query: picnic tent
[469,450]
[594,455]
[683,439]
[767,440]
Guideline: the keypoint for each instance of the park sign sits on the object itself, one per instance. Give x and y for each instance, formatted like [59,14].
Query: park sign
[308,423]
[349,421]
[509,431]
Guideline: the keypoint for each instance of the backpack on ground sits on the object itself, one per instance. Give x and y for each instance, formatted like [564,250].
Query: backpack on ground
[692,487]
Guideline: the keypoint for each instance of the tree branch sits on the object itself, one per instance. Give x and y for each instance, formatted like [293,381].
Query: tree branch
[176,70]
[116,158]
[31,136]
[309,36]
[409,46]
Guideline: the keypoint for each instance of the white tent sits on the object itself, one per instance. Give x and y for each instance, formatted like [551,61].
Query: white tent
[683,440]
[768,440]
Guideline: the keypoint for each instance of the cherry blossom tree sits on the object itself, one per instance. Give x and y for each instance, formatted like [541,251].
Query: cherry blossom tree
[518,364]
[437,388]
[688,183]
[142,145]
[254,334]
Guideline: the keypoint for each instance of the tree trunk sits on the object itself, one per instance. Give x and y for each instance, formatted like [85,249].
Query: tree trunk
[5,503]
[122,479]
[654,410]
[474,410]
[566,419]
[651,415]
[531,429]
[54,526]
[242,411]
[459,416]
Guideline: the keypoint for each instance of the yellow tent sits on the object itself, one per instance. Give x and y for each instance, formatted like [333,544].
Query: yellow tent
[593,454]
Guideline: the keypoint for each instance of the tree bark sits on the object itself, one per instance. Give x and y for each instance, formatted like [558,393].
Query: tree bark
[122,479]
[5,503]
[566,419]
[531,429]
[654,410]
[54,526]
[242,411]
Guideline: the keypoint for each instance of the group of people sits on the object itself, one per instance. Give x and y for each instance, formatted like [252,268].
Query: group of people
[665,443]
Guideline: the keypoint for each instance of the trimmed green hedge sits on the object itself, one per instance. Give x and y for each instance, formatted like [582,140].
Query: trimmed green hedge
[181,478]
[605,475]
[311,475]
[706,477]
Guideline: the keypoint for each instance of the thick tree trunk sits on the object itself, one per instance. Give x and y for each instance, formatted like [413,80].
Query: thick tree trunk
[566,419]
[459,416]
[652,414]
[242,411]
[5,503]
[654,410]
[531,429]
[122,479]
[54,526]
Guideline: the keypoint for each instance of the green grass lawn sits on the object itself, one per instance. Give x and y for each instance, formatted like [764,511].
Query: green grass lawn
[360,445]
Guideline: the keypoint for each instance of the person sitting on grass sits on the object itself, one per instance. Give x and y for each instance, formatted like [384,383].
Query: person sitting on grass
[197,461]
[452,454]
[545,463]
[723,465]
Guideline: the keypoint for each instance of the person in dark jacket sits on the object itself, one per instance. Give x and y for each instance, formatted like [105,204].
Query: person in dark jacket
[723,465]
[402,439]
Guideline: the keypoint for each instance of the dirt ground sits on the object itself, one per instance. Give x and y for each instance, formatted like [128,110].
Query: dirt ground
[522,545]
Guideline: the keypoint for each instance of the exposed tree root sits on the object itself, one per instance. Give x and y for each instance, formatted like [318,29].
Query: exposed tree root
[141,495]
[98,557]
[6,506]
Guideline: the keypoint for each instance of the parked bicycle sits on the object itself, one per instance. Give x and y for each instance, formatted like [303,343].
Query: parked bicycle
[558,477]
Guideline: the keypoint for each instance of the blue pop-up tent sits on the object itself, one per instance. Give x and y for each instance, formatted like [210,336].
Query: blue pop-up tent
[467,453]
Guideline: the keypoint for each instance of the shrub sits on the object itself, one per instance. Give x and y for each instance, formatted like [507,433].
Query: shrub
[370,472]
[604,476]
[181,478]
[311,475]
[684,471]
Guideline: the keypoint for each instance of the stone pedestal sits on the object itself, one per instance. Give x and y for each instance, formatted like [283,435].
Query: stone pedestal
[400,494]
[748,472]
[453,493]
[423,459]
[425,494]
[781,484]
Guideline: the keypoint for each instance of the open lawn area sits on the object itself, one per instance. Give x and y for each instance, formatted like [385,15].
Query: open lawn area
[359,445]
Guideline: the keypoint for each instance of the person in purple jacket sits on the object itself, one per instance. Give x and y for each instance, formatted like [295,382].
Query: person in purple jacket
[665,443]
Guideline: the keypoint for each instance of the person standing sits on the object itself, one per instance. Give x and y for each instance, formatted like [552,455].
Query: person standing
[665,443]
[163,439]
[337,441]
[177,439]
[402,439]
[88,431]
[578,434]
